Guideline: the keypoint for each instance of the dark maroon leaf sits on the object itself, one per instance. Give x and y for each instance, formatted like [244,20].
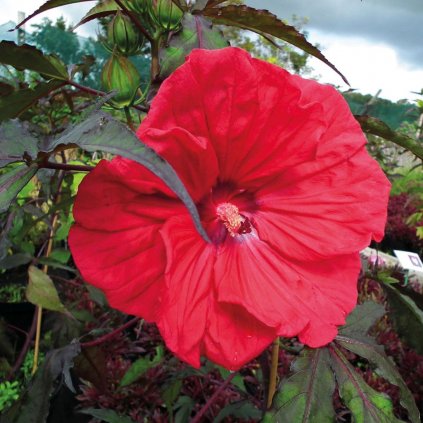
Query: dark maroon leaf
[306,395]
[262,21]
[372,125]
[50,4]
[105,8]
[29,57]
[13,105]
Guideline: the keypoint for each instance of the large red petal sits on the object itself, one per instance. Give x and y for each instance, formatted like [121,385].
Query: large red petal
[115,241]
[188,291]
[279,294]
[253,114]
[127,265]
[333,212]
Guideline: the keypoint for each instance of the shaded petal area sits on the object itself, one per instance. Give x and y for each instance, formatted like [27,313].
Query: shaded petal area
[192,321]
[234,337]
[279,295]
[115,241]
[126,265]
[187,154]
[332,212]
[188,289]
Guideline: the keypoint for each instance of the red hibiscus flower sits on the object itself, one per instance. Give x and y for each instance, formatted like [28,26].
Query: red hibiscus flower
[285,189]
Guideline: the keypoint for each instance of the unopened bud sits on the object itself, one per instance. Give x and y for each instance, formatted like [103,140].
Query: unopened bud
[122,36]
[165,14]
[120,75]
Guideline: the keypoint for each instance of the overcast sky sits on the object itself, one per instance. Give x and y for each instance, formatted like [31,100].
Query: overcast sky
[375,43]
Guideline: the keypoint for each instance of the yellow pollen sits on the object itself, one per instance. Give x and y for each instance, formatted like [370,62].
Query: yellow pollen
[230,217]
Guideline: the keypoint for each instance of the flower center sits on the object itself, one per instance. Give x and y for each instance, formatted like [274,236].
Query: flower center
[235,223]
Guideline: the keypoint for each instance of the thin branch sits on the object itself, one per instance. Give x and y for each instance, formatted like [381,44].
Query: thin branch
[24,349]
[198,417]
[86,89]
[273,372]
[66,167]
[110,335]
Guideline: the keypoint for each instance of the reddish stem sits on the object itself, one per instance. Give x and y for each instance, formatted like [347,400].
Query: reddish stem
[25,348]
[110,335]
[66,167]
[212,399]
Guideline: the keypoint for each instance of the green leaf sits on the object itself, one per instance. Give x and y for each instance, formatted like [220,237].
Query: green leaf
[372,125]
[262,21]
[241,410]
[183,407]
[61,255]
[50,4]
[406,316]
[237,381]
[140,366]
[105,8]
[42,292]
[108,416]
[15,260]
[386,368]
[13,181]
[365,404]
[29,57]
[361,319]
[97,295]
[13,105]
[306,396]
[36,401]
[196,32]
[102,132]
[15,142]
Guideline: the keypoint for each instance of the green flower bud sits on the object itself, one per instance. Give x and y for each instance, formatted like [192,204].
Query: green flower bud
[165,14]
[122,36]
[137,6]
[119,74]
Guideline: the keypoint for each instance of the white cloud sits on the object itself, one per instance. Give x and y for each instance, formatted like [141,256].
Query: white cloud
[368,67]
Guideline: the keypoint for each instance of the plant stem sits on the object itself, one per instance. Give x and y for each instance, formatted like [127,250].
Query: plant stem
[87,90]
[67,167]
[135,20]
[212,399]
[129,119]
[92,91]
[39,309]
[110,335]
[25,347]
[273,372]
[155,65]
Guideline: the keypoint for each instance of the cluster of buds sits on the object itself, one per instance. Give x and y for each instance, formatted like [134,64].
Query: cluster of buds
[124,40]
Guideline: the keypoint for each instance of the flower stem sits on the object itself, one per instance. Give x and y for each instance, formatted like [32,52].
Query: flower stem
[110,335]
[212,399]
[66,167]
[273,372]
[129,120]
[25,347]
[39,309]
[155,65]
